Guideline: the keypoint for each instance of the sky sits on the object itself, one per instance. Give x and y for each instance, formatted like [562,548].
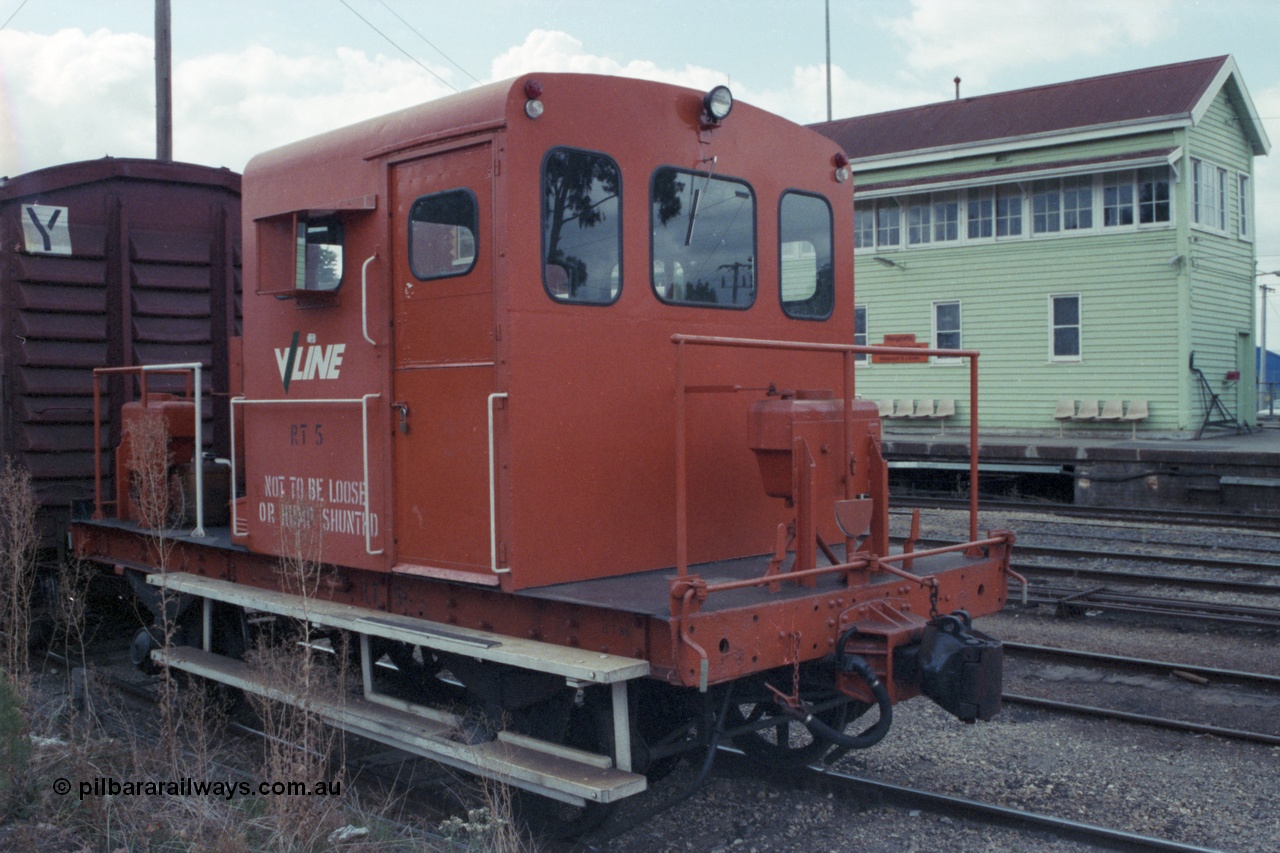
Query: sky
[77,78]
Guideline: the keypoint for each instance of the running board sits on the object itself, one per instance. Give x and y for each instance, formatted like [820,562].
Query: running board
[553,770]
[567,774]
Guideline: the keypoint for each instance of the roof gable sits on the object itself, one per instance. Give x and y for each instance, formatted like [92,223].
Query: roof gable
[1133,100]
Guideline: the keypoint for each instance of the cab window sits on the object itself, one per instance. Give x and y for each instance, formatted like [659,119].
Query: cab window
[804,256]
[704,239]
[442,234]
[318,263]
[581,227]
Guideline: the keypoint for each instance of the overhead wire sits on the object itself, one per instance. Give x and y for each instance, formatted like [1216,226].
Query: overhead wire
[428,41]
[393,43]
[14,15]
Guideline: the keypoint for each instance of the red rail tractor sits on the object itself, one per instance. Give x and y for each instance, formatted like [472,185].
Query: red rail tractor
[555,381]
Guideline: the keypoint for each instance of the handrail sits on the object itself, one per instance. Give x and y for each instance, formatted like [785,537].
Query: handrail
[493,500]
[847,351]
[364,298]
[191,369]
[364,426]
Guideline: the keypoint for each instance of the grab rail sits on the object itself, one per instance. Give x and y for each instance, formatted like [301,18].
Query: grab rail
[847,352]
[189,369]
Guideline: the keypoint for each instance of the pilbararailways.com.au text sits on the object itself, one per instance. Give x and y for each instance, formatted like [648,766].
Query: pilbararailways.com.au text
[106,786]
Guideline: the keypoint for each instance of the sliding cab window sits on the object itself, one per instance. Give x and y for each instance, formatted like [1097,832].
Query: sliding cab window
[804,256]
[581,227]
[318,263]
[443,234]
[704,239]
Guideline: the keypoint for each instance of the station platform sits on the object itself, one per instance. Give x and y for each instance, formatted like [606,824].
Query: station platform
[1222,471]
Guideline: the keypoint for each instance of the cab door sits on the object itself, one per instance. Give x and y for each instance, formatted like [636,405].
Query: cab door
[444,361]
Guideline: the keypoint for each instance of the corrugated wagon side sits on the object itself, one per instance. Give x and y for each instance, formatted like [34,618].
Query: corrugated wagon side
[108,262]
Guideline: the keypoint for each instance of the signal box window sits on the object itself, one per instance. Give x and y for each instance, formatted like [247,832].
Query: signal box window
[704,239]
[442,234]
[804,256]
[581,226]
[946,329]
[1065,327]
[860,330]
[318,264]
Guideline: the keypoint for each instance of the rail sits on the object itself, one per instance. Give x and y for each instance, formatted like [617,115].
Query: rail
[847,353]
[189,369]
[363,402]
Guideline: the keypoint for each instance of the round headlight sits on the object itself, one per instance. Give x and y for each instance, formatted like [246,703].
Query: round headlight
[718,102]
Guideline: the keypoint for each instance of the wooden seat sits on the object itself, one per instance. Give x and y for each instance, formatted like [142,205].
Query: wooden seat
[1137,412]
[1088,411]
[1066,411]
[946,409]
[1112,410]
[924,410]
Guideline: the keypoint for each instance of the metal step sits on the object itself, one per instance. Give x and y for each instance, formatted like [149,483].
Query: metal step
[553,770]
[579,665]
[540,766]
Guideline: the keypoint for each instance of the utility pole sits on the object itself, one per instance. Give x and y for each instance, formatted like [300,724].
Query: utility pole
[1262,368]
[164,85]
[827,4]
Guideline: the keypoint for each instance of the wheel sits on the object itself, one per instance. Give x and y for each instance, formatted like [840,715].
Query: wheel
[588,726]
[786,742]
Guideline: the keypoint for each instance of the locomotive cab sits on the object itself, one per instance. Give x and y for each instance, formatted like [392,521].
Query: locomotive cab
[555,378]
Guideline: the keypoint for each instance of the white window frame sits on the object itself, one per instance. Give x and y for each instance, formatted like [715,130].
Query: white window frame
[1244,206]
[930,211]
[1079,184]
[868,209]
[919,225]
[865,334]
[1023,198]
[946,216]
[1049,189]
[1208,196]
[1168,180]
[959,330]
[1054,326]
[1121,182]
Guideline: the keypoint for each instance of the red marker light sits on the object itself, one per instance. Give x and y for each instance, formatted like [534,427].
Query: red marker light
[532,89]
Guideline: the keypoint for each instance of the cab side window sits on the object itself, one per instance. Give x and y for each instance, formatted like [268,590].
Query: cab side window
[318,264]
[804,256]
[704,239]
[581,226]
[442,234]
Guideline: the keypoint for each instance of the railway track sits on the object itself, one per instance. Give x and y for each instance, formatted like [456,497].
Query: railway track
[1218,676]
[1146,516]
[952,805]
[1031,549]
[1067,600]
[1147,578]
[731,761]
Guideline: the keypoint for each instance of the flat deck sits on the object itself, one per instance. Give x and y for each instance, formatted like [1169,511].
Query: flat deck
[647,593]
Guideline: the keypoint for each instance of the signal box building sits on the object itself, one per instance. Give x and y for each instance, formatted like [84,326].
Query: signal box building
[1093,239]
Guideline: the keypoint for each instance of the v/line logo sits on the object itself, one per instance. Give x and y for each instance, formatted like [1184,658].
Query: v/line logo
[308,361]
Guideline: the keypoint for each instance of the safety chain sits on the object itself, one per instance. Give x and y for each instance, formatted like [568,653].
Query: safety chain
[795,669]
[933,598]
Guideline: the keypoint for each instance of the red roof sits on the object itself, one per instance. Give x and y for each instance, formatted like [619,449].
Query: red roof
[1147,94]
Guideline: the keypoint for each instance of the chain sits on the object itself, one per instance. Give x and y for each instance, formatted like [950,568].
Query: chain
[933,598]
[795,670]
